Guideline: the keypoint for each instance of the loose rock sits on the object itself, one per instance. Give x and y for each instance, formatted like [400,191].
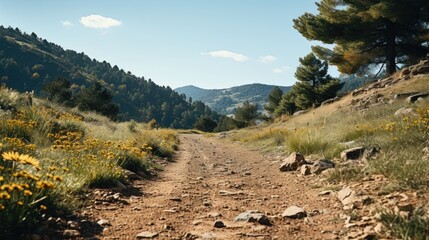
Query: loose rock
[146,234]
[321,165]
[253,216]
[292,162]
[352,153]
[219,224]
[294,212]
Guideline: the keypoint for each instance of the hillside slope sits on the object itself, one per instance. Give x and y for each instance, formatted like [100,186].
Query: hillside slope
[367,153]
[28,62]
[227,100]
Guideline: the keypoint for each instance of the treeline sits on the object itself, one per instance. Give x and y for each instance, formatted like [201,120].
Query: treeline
[28,62]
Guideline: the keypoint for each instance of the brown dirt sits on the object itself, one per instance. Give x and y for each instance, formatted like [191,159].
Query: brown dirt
[185,200]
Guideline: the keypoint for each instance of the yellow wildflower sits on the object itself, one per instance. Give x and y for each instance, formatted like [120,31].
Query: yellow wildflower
[43,207]
[27,193]
[4,195]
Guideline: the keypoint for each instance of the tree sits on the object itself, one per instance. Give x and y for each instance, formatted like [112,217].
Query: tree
[274,99]
[227,123]
[205,124]
[59,91]
[246,113]
[287,105]
[368,33]
[99,99]
[314,84]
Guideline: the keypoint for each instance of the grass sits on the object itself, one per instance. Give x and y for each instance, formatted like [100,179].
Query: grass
[415,227]
[50,155]
[328,131]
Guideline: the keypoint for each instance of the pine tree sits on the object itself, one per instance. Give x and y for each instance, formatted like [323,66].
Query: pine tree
[99,99]
[314,84]
[274,99]
[246,113]
[367,34]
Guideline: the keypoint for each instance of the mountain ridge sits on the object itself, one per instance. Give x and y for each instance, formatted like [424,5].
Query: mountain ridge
[226,100]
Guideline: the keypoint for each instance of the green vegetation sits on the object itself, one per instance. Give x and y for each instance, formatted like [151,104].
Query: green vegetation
[401,139]
[29,63]
[367,34]
[49,156]
[415,227]
[314,86]
[226,101]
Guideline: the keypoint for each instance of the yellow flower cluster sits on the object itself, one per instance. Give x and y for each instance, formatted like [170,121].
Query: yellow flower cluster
[21,158]
[19,144]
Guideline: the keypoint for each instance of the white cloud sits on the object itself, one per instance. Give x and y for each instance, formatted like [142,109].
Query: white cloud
[67,24]
[99,22]
[281,69]
[267,59]
[228,54]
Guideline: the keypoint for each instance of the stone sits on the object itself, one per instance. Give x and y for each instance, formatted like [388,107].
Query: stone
[305,170]
[104,222]
[404,95]
[219,224]
[352,153]
[405,112]
[326,192]
[347,196]
[147,234]
[294,212]
[253,216]
[321,165]
[197,222]
[413,98]
[292,163]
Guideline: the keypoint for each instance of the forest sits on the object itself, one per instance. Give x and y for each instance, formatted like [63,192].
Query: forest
[29,63]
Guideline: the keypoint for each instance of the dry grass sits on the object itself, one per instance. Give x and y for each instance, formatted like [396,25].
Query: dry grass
[68,155]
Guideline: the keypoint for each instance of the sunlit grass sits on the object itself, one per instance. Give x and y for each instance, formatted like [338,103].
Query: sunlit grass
[49,155]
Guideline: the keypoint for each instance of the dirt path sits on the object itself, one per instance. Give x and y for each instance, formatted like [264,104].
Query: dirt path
[217,180]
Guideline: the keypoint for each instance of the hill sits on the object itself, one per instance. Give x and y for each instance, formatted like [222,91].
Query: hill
[227,100]
[28,62]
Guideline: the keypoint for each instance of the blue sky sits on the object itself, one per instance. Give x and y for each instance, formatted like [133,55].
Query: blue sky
[207,43]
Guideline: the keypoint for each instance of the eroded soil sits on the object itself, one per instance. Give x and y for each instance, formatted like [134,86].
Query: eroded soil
[212,179]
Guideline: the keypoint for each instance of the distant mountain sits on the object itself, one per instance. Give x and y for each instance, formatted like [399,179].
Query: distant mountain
[28,62]
[226,101]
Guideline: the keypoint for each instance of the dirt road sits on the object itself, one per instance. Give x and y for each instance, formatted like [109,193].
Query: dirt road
[215,180]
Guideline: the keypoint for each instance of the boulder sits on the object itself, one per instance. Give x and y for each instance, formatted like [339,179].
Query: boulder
[405,111]
[292,163]
[294,212]
[352,153]
[321,165]
[413,98]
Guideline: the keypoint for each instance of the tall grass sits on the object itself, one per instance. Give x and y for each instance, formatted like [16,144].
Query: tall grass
[70,156]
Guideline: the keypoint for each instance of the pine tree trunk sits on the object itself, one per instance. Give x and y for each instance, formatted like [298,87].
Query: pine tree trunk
[390,48]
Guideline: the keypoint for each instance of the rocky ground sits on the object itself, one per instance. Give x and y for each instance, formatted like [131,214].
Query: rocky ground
[216,189]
